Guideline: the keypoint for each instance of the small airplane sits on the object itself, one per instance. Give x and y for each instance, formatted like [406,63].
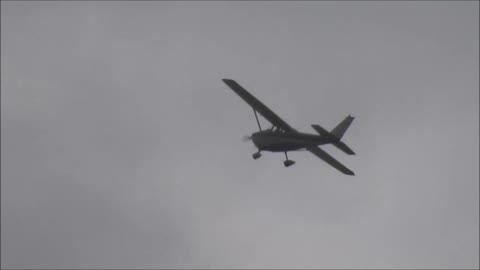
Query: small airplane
[281,137]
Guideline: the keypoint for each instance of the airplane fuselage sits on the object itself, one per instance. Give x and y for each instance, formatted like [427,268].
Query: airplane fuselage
[273,141]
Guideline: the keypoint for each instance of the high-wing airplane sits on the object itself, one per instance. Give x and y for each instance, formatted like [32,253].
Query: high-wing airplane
[281,137]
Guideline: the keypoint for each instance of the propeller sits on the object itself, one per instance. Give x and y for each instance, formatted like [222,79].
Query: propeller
[246,138]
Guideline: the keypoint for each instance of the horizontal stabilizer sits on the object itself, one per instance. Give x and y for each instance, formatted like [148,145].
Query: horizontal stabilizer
[334,140]
[342,146]
[323,132]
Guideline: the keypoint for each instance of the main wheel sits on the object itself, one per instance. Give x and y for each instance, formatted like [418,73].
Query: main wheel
[256,155]
[288,163]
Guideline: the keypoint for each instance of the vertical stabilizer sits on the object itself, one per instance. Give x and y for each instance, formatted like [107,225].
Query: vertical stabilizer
[340,129]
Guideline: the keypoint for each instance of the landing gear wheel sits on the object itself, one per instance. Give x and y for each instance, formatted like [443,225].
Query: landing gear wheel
[288,163]
[256,155]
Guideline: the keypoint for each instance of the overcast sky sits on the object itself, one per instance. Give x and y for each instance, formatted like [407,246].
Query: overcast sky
[122,148]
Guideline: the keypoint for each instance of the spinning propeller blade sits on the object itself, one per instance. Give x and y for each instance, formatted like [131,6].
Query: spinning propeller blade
[247,138]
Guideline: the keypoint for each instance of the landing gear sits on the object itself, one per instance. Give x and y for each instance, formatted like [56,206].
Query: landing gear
[256,155]
[288,162]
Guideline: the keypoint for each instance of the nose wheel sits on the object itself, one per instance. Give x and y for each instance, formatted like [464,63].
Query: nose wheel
[256,155]
[288,162]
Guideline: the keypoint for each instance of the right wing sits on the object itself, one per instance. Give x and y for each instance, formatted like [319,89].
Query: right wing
[329,159]
[257,105]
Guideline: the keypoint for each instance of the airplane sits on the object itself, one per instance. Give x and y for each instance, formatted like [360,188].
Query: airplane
[281,137]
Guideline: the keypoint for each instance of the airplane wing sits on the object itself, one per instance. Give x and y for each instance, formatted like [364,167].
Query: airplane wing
[257,105]
[329,159]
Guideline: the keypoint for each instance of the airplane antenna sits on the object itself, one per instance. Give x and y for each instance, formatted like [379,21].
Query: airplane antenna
[256,117]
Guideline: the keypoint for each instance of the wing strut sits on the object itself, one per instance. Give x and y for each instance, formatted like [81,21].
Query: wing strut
[256,117]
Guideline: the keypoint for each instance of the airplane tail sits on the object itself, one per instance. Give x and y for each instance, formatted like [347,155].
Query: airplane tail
[340,129]
[337,133]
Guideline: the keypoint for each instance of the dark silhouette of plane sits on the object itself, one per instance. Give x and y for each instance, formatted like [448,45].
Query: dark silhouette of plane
[281,137]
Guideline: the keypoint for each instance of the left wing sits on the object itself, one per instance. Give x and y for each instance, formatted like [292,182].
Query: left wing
[257,105]
[329,159]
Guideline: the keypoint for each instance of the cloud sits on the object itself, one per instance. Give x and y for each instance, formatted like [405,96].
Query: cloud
[121,147]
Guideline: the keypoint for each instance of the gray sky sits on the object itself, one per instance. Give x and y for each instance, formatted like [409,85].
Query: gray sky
[121,147]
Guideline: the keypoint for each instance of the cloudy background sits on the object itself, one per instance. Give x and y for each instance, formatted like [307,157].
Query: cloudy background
[121,146]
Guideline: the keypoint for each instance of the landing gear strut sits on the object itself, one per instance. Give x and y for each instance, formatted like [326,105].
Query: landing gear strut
[256,155]
[288,162]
